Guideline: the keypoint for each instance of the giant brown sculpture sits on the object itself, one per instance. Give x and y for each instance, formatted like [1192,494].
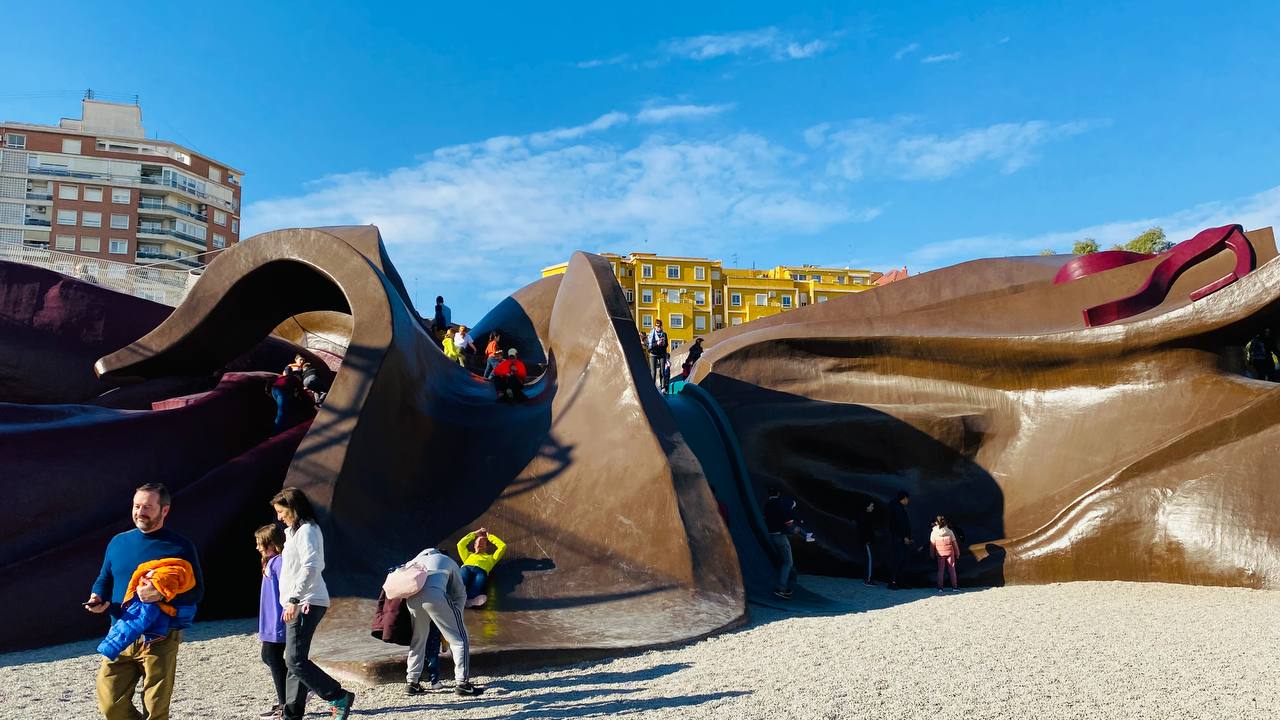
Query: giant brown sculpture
[1126,451]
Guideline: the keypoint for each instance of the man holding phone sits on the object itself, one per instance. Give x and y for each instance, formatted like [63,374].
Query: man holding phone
[156,662]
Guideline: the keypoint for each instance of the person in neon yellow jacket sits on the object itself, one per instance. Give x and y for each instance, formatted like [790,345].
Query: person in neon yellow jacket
[479,550]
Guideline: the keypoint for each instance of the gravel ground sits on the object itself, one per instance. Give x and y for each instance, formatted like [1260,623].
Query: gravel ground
[1076,650]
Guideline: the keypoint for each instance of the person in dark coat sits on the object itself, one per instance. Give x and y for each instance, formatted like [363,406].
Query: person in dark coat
[695,351]
[780,521]
[867,536]
[900,541]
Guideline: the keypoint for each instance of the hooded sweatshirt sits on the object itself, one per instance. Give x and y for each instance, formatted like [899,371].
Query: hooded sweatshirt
[943,543]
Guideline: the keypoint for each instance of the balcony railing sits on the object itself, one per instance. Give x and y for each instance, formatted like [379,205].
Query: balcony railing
[171,233]
[156,255]
[37,221]
[143,179]
[174,208]
[160,180]
[39,196]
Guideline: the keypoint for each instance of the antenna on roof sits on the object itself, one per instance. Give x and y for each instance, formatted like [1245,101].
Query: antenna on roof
[88,94]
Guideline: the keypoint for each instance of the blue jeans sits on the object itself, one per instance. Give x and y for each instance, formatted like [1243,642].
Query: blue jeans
[783,546]
[284,408]
[489,365]
[474,578]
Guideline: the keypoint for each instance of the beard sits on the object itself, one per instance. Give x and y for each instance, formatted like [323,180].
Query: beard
[146,524]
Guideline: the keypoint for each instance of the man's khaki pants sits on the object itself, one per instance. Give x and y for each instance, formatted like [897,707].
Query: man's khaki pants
[156,664]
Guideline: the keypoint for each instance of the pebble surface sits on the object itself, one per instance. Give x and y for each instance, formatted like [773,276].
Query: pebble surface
[1074,650]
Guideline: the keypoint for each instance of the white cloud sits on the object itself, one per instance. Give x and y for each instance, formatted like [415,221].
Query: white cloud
[891,149]
[1003,40]
[769,42]
[906,50]
[664,113]
[945,57]
[601,62]
[467,219]
[1254,211]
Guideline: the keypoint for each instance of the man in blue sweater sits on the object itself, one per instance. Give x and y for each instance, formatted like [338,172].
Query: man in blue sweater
[155,662]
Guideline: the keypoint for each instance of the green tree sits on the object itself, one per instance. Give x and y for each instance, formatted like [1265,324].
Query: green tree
[1085,246]
[1151,242]
[1048,251]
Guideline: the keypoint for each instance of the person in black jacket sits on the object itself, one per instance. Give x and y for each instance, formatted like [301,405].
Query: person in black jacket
[780,520]
[695,351]
[867,536]
[900,541]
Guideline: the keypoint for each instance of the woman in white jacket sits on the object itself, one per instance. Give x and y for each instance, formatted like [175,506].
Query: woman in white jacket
[304,599]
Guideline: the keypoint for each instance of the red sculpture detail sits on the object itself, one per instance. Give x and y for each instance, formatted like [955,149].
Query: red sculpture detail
[1176,259]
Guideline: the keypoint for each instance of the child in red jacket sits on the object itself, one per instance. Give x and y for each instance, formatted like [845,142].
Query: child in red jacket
[944,546]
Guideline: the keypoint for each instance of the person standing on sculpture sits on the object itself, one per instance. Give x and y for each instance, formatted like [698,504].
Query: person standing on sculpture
[440,602]
[441,319]
[900,541]
[492,353]
[304,599]
[695,351]
[154,662]
[658,344]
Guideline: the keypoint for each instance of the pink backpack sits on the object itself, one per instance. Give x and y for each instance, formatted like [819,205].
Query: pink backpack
[405,581]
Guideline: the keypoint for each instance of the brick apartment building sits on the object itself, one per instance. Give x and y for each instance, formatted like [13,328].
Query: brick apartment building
[98,187]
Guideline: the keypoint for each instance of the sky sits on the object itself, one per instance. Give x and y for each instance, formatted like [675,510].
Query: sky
[487,142]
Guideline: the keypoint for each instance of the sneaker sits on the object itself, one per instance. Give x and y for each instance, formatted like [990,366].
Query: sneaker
[869,583]
[414,688]
[466,688]
[342,706]
[481,599]
[437,685]
[276,711]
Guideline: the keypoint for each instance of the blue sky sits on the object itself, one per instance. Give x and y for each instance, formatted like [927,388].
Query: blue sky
[488,142]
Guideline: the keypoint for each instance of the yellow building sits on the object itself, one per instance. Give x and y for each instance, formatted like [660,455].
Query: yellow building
[693,296]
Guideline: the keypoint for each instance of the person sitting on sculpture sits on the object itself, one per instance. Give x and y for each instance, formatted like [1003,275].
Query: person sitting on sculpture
[287,391]
[509,377]
[313,384]
[479,551]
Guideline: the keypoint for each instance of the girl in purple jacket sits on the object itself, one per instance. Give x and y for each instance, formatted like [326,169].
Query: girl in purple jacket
[270,541]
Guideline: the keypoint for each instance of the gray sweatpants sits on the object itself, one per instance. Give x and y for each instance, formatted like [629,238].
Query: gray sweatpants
[436,605]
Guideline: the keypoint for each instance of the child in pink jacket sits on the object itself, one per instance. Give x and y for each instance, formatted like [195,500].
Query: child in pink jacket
[944,546]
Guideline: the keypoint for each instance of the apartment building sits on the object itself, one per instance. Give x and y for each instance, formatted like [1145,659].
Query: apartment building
[98,187]
[695,295]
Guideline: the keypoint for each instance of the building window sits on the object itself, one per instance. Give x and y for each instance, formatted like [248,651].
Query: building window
[699,297]
[88,244]
[219,241]
[699,322]
[699,273]
[735,299]
[233,179]
[646,271]
[66,217]
[219,217]
[715,274]
[817,278]
[68,192]
[215,174]
[235,226]
[762,299]
[786,302]
[15,141]
[91,219]
[71,147]
[717,298]
[121,196]
[630,296]
[673,272]
[676,321]
[93,194]
[646,297]
[65,242]
[189,229]
[673,296]
[120,222]
[735,321]
[822,298]
[118,247]
[797,277]
[646,321]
